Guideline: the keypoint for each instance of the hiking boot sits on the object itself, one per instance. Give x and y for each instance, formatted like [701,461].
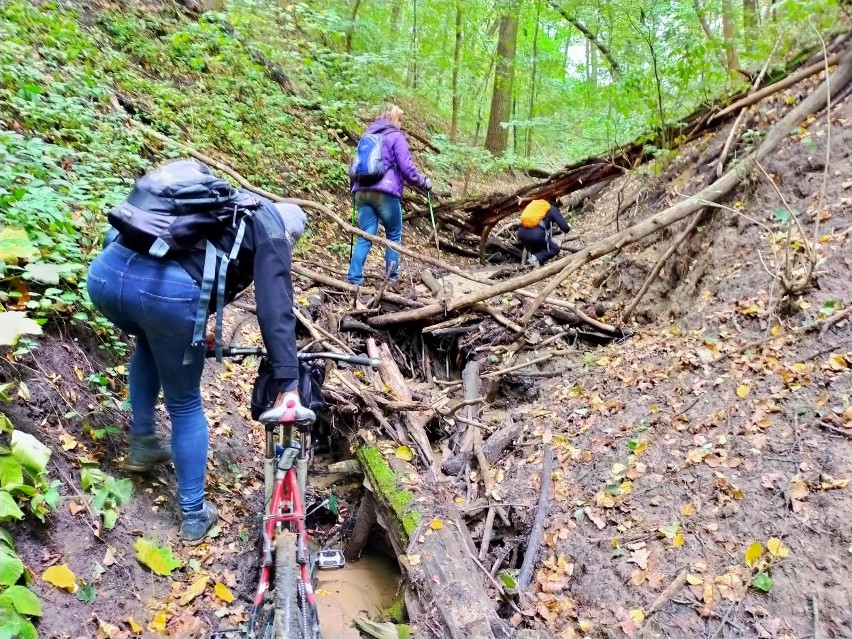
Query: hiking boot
[196,523]
[146,451]
[533,261]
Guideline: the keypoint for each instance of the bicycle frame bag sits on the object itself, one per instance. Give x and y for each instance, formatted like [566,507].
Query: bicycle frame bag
[311,378]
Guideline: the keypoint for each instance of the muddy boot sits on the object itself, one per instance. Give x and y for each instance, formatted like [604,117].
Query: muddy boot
[146,451]
[196,523]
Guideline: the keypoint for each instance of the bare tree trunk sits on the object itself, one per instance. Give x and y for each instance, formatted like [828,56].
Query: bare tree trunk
[751,16]
[454,125]
[593,54]
[705,26]
[497,136]
[413,61]
[396,14]
[729,33]
[533,79]
[591,37]
[350,28]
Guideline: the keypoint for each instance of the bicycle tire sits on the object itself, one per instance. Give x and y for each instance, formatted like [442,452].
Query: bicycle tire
[287,620]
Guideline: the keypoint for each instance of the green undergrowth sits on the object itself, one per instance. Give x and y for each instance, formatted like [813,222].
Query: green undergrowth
[388,485]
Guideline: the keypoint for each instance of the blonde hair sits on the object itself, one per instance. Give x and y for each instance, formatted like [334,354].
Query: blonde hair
[393,114]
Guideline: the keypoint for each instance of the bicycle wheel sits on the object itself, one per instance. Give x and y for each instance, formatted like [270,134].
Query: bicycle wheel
[287,620]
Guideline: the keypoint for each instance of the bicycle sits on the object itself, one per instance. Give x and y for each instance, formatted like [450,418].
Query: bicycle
[284,604]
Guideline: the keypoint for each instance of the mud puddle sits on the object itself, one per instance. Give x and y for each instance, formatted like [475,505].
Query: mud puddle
[364,588]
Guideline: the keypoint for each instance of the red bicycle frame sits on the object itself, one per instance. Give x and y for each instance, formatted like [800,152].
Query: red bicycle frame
[285,507]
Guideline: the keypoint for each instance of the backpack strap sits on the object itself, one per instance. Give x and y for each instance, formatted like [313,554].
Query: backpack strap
[198,341]
[225,259]
[210,279]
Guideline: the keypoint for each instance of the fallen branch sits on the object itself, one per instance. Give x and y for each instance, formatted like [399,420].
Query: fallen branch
[659,267]
[720,163]
[537,532]
[492,448]
[789,81]
[670,591]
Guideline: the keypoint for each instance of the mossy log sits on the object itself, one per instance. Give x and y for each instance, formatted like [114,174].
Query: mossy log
[434,551]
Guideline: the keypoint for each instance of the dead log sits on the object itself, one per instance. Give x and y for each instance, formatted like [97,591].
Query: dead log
[492,448]
[414,422]
[567,265]
[537,532]
[441,290]
[445,577]
[365,519]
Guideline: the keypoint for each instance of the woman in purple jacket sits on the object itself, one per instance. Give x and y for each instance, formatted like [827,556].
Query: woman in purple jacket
[381,201]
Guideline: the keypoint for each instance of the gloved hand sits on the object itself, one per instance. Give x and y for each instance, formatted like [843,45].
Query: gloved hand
[288,408]
[427,183]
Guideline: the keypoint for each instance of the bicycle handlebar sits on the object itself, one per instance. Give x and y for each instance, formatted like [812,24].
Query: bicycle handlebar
[244,351]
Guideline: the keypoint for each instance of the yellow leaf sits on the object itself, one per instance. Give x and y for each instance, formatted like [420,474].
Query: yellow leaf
[68,442]
[617,468]
[197,587]
[777,548]
[414,560]
[61,577]
[687,510]
[585,625]
[404,453]
[223,593]
[637,615]
[436,524]
[134,627]
[743,390]
[158,623]
[322,592]
[694,580]
[107,629]
[459,500]
[678,540]
[753,554]
[158,558]
[775,330]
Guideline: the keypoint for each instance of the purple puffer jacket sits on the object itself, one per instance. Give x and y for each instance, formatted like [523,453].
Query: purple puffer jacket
[397,158]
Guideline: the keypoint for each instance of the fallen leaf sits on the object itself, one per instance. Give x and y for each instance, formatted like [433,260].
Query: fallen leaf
[637,615]
[109,556]
[108,630]
[640,557]
[777,548]
[158,558]
[158,623]
[75,507]
[404,453]
[436,524]
[414,560]
[223,593]
[762,581]
[197,588]
[687,510]
[678,540]
[693,580]
[68,442]
[134,627]
[61,577]
[753,553]
[743,390]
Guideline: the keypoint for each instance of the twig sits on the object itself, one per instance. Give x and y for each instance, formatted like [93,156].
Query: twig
[828,427]
[538,523]
[517,367]
[724,620]
[499,317]
[817,629]
[659,266]
[668,593]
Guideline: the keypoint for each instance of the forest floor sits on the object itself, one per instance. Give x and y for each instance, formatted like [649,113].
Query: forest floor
[682,458]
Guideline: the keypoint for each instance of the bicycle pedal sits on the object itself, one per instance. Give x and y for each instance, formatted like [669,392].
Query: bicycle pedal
[330,559]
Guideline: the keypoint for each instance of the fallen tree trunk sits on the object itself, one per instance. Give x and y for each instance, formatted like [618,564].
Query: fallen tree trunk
[438,563]
[484,212]
[563,267]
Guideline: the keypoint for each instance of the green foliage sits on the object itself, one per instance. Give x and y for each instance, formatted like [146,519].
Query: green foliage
[108,493]
[23,486]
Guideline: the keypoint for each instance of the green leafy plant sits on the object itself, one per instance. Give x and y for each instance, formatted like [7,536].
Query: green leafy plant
[108,493]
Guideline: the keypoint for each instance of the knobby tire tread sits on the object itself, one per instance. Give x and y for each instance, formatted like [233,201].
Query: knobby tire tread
[288,617]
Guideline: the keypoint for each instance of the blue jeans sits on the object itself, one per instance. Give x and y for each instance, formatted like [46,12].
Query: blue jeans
[374,206]
[155,300]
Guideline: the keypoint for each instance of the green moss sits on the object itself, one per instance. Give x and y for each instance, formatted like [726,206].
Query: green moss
[395,612]
[387,483]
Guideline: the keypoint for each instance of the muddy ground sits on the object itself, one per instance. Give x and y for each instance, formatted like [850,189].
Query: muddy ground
[675,450]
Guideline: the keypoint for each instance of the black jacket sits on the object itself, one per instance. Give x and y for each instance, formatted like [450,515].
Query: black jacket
[539,233]
[265,259]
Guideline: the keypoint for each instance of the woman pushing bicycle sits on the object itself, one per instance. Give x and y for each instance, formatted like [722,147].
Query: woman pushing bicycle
[183,244]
